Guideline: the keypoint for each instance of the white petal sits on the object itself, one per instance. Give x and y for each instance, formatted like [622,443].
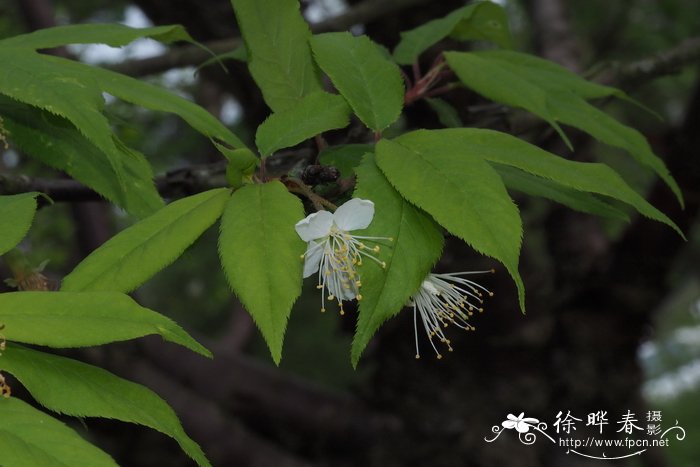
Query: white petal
[508,424]
[312,259]
[355,214]
[522,427]
[314,226]
[430,287]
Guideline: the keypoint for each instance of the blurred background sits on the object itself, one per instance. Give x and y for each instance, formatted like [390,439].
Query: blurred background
[613,318]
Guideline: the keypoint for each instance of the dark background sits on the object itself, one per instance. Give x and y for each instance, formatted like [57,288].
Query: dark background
[613,309]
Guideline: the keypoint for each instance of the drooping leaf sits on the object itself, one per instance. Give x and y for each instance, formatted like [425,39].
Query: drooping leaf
[313,114]
[416,247]
[260,253]
[276,38]
[477,21]
[74,388]
[133,256]
[29,438]
[115,35]
[16,215]
[533,185]
[369,81]
[151,97]
[33,80]
[463,194]
[345,158]
[556,95]
[80,319]
[499,147]
[447,114]
[56,142]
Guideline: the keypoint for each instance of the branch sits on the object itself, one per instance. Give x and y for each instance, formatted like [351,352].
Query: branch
[261,395]
[174,184]
[192,55]
[663,63]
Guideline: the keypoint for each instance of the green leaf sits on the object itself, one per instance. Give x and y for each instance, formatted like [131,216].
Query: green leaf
[533,185]
[81,319]
[479,21]
[151,97]
[463,194]
[74,388]
[115,35]
[260,253]
[313,114]
[416,247]
[16,215]
[136,254]
[502,148]
[345,158]
[276,38]
[369,81]
[556,95]
[33,80]
[447,114]
[29,438]
[56,142]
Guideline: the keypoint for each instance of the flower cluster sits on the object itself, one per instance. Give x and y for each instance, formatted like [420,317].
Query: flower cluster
[443,300]
[334,253]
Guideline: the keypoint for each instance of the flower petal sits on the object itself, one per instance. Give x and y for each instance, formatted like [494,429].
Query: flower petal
[312,258]
[522,427]
[315,226]
[355,214]
[508,424]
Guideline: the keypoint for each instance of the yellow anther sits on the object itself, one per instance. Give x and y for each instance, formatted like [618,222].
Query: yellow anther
[331,297]
[358,283]
[319,286]
[383,264]
[359,297]
[391,239]
[417,357]
[302,256]
[439,357]
[323,310]
[376,249]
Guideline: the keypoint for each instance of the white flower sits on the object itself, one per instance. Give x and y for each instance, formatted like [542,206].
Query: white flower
[335,253]
[521,423]
[443,300]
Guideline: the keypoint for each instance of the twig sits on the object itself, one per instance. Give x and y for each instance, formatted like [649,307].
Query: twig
[663,63]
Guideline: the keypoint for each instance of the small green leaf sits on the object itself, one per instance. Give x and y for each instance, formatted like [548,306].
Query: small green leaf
[74,388]
[133,256]
[276,38]
[556,95]
[16,215]
[533,185]
[463,194]
[416,247]
[115,35]
[81,319]
[260,253]
[30,438]
[447,114]
[370,82]
[502,148]
[478,21]
[345,158]
[313,114]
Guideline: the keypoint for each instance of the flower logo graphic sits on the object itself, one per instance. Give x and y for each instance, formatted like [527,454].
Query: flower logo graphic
[520,423]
